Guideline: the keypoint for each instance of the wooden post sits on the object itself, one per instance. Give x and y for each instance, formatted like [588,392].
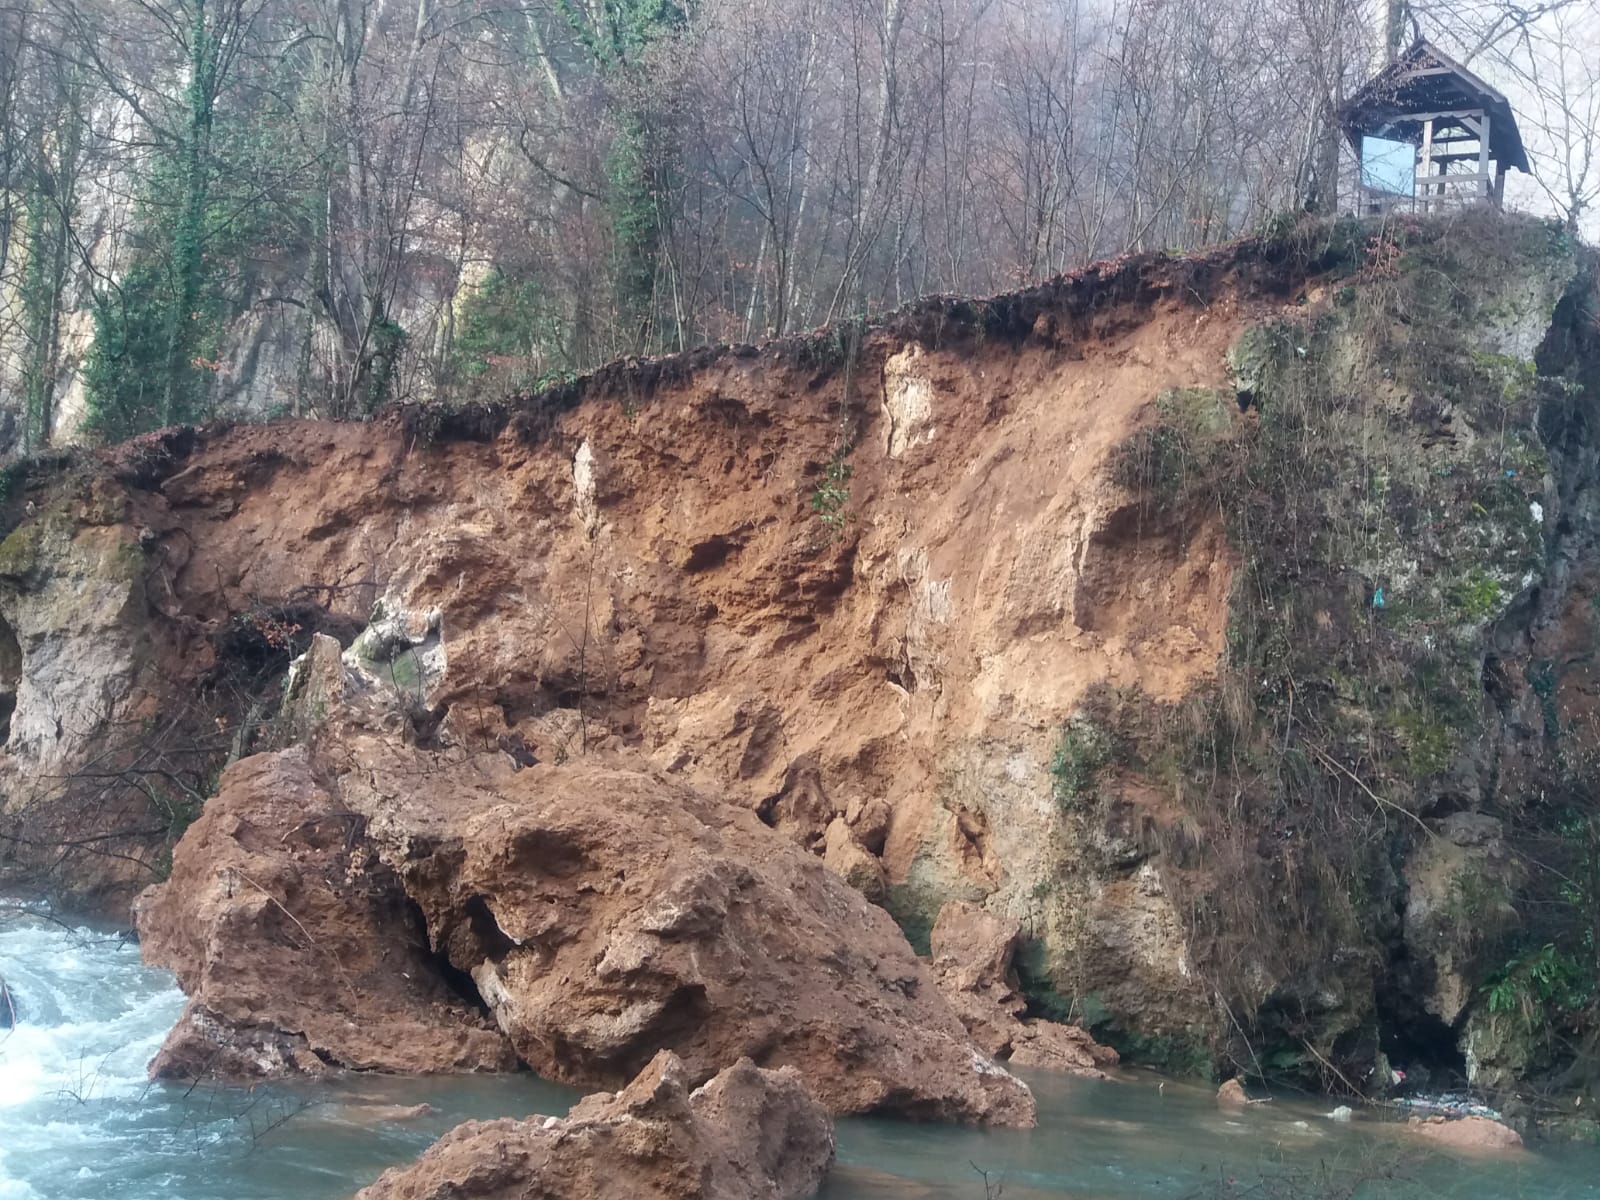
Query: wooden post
[1483,157]
[1427,163]
[1500,187]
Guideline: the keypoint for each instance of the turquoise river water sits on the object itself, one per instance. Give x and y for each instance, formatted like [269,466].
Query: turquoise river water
[79,1121]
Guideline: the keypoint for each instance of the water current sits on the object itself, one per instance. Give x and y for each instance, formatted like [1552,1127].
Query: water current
[79,1121]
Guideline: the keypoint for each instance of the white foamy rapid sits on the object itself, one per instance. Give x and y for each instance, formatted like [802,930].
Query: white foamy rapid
[79,1120]
[89,1016]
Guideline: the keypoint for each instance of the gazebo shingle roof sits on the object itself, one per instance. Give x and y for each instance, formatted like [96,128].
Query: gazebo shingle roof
[1425,80]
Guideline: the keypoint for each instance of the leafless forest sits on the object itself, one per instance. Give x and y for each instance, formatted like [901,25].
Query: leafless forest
[320,206]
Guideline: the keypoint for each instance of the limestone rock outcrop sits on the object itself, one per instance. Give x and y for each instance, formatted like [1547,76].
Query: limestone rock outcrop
[748,1134]
[296,946]
[973,953]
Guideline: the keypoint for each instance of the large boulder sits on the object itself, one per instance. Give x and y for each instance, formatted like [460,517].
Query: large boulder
[748,1134]
[606,913]
[1459,885]
[601,913]
[298,949]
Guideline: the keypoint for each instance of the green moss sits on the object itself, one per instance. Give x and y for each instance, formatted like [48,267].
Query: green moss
[127,561]
[1187,1054]
[1430,746]
[909,907]
[403,671]
[1392,454]
[19,553]
[1197,411]
[1046,1000]
[1082,752]
[1514,379]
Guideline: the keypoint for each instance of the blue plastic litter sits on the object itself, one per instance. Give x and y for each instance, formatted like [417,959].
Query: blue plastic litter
[1450,1104]
[1377,598]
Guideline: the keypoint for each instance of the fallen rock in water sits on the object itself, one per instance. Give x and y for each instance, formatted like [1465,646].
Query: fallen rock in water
[606,914]
[601,915]
[298,949]
[1051,1046]
[1232,1094]
[1467,1133]
[973,962]
[748,1134]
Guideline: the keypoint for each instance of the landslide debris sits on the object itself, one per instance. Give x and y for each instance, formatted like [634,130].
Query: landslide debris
[1173,610]
[973,962]
[603,913]
[747,1134]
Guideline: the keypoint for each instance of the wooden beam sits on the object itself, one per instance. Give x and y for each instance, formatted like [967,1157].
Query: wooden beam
[1427,158]
[1483,158]
[1450,181]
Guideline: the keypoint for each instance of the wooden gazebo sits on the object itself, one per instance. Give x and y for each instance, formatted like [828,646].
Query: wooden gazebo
[1431,135]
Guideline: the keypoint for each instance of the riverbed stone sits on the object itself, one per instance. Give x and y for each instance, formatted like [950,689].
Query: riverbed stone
[746,1134]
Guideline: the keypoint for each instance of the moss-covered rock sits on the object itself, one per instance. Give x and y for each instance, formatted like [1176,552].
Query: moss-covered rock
[1391,497]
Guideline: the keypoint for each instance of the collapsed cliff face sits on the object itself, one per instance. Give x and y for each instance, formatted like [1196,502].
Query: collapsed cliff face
[1023,603]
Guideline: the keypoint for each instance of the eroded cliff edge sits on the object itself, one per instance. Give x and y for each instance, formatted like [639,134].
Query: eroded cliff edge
[1224,621]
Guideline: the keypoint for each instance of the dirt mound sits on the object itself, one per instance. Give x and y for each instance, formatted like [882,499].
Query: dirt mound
[748,1134]
[606,914]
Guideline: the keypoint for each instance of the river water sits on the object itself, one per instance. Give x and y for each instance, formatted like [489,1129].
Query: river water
[79,1121]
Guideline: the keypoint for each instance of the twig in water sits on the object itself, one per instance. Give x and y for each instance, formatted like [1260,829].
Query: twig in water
[992,1190]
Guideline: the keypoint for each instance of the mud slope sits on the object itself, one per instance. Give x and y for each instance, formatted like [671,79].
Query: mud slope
[864,580]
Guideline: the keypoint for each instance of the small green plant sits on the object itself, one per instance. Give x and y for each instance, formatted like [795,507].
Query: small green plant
[832,496]
[1082,753]
[1477,597]
[1538,989]
[1541,676]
